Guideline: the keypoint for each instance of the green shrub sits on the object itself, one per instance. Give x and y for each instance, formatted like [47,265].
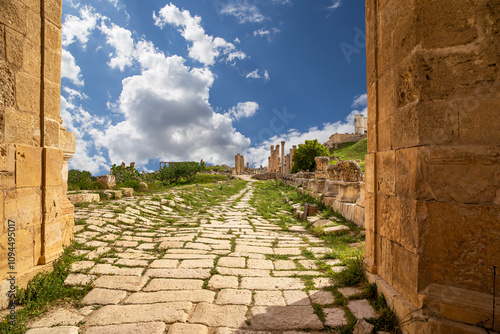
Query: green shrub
[303,158]
[123,174]
[80,180]
[179,171]
[353,274]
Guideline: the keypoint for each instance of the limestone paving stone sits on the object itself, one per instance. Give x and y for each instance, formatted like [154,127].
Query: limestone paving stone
[159,284]
[362,309]
[54,330]
[143,327]
[322,282]
[232,262]
[219,315]
[179,273]
[243,272]
[132,263]
[81,265]
[58,317]
[321,297]
[284,317]
[194,296]
[79,279]
[197,264]
[349,292]
[284,265]
[127,283]
[269,298]
[120,314]
[271,283]
[187,329]
[100,296]
[234,296]
[221,282]
[260,264]
[108,269]
[296,298]
[164,264]
[335,317]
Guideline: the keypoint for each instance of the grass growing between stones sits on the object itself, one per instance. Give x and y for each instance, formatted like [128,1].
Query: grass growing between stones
[43,291]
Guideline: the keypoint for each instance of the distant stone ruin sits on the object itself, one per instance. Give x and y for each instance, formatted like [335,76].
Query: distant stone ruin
[340,186]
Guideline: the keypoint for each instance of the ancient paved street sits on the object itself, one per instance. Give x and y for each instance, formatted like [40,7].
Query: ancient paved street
[221,270]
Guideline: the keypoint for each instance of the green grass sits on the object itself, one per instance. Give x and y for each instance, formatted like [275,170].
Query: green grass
[43,291]
[351,151]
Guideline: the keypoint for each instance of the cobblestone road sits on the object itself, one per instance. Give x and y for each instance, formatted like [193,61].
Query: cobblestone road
[224,270]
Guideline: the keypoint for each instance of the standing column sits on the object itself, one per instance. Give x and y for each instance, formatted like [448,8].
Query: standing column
[282,170]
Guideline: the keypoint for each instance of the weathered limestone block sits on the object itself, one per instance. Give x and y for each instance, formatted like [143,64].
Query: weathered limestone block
[348,171]
[143,186]
[116,194]
[83,198]
[348,192]
[328,201]
[107,181]
[308,175]
[331,188]
[298,181]
[459,304]
[128,192]
[361,200]
[321,167]
[317,185]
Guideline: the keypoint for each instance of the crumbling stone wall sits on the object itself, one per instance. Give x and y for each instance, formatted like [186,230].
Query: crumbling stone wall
[34,147]
[340,186]
[432,173]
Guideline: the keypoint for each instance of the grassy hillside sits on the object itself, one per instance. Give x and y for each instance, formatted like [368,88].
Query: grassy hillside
[351,151]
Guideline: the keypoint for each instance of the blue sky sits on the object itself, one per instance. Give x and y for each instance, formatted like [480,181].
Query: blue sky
[150,81]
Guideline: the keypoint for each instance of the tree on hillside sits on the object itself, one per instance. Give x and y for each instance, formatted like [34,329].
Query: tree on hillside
[303,158]
[177,171]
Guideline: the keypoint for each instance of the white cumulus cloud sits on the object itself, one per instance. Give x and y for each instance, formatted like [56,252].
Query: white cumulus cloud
[243,110]
[335,4]
[204,48]
[79,28]
[69,68]
[243,11]
[256,75]
[121,39]
[360,101]
[167,115]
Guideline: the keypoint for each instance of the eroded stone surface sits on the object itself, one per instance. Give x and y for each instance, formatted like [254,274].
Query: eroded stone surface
[284,317]
[362,309]
[145,327]
[120,314]
[219,315]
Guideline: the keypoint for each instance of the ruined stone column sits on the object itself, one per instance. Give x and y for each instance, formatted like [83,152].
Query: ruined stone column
[236,164]
[432,201]
[34,146]
[288,164]
[282,170]
[271,164]
[292,152]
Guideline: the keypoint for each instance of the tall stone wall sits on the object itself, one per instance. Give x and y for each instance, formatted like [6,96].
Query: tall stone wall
[432,197]
[34,147]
